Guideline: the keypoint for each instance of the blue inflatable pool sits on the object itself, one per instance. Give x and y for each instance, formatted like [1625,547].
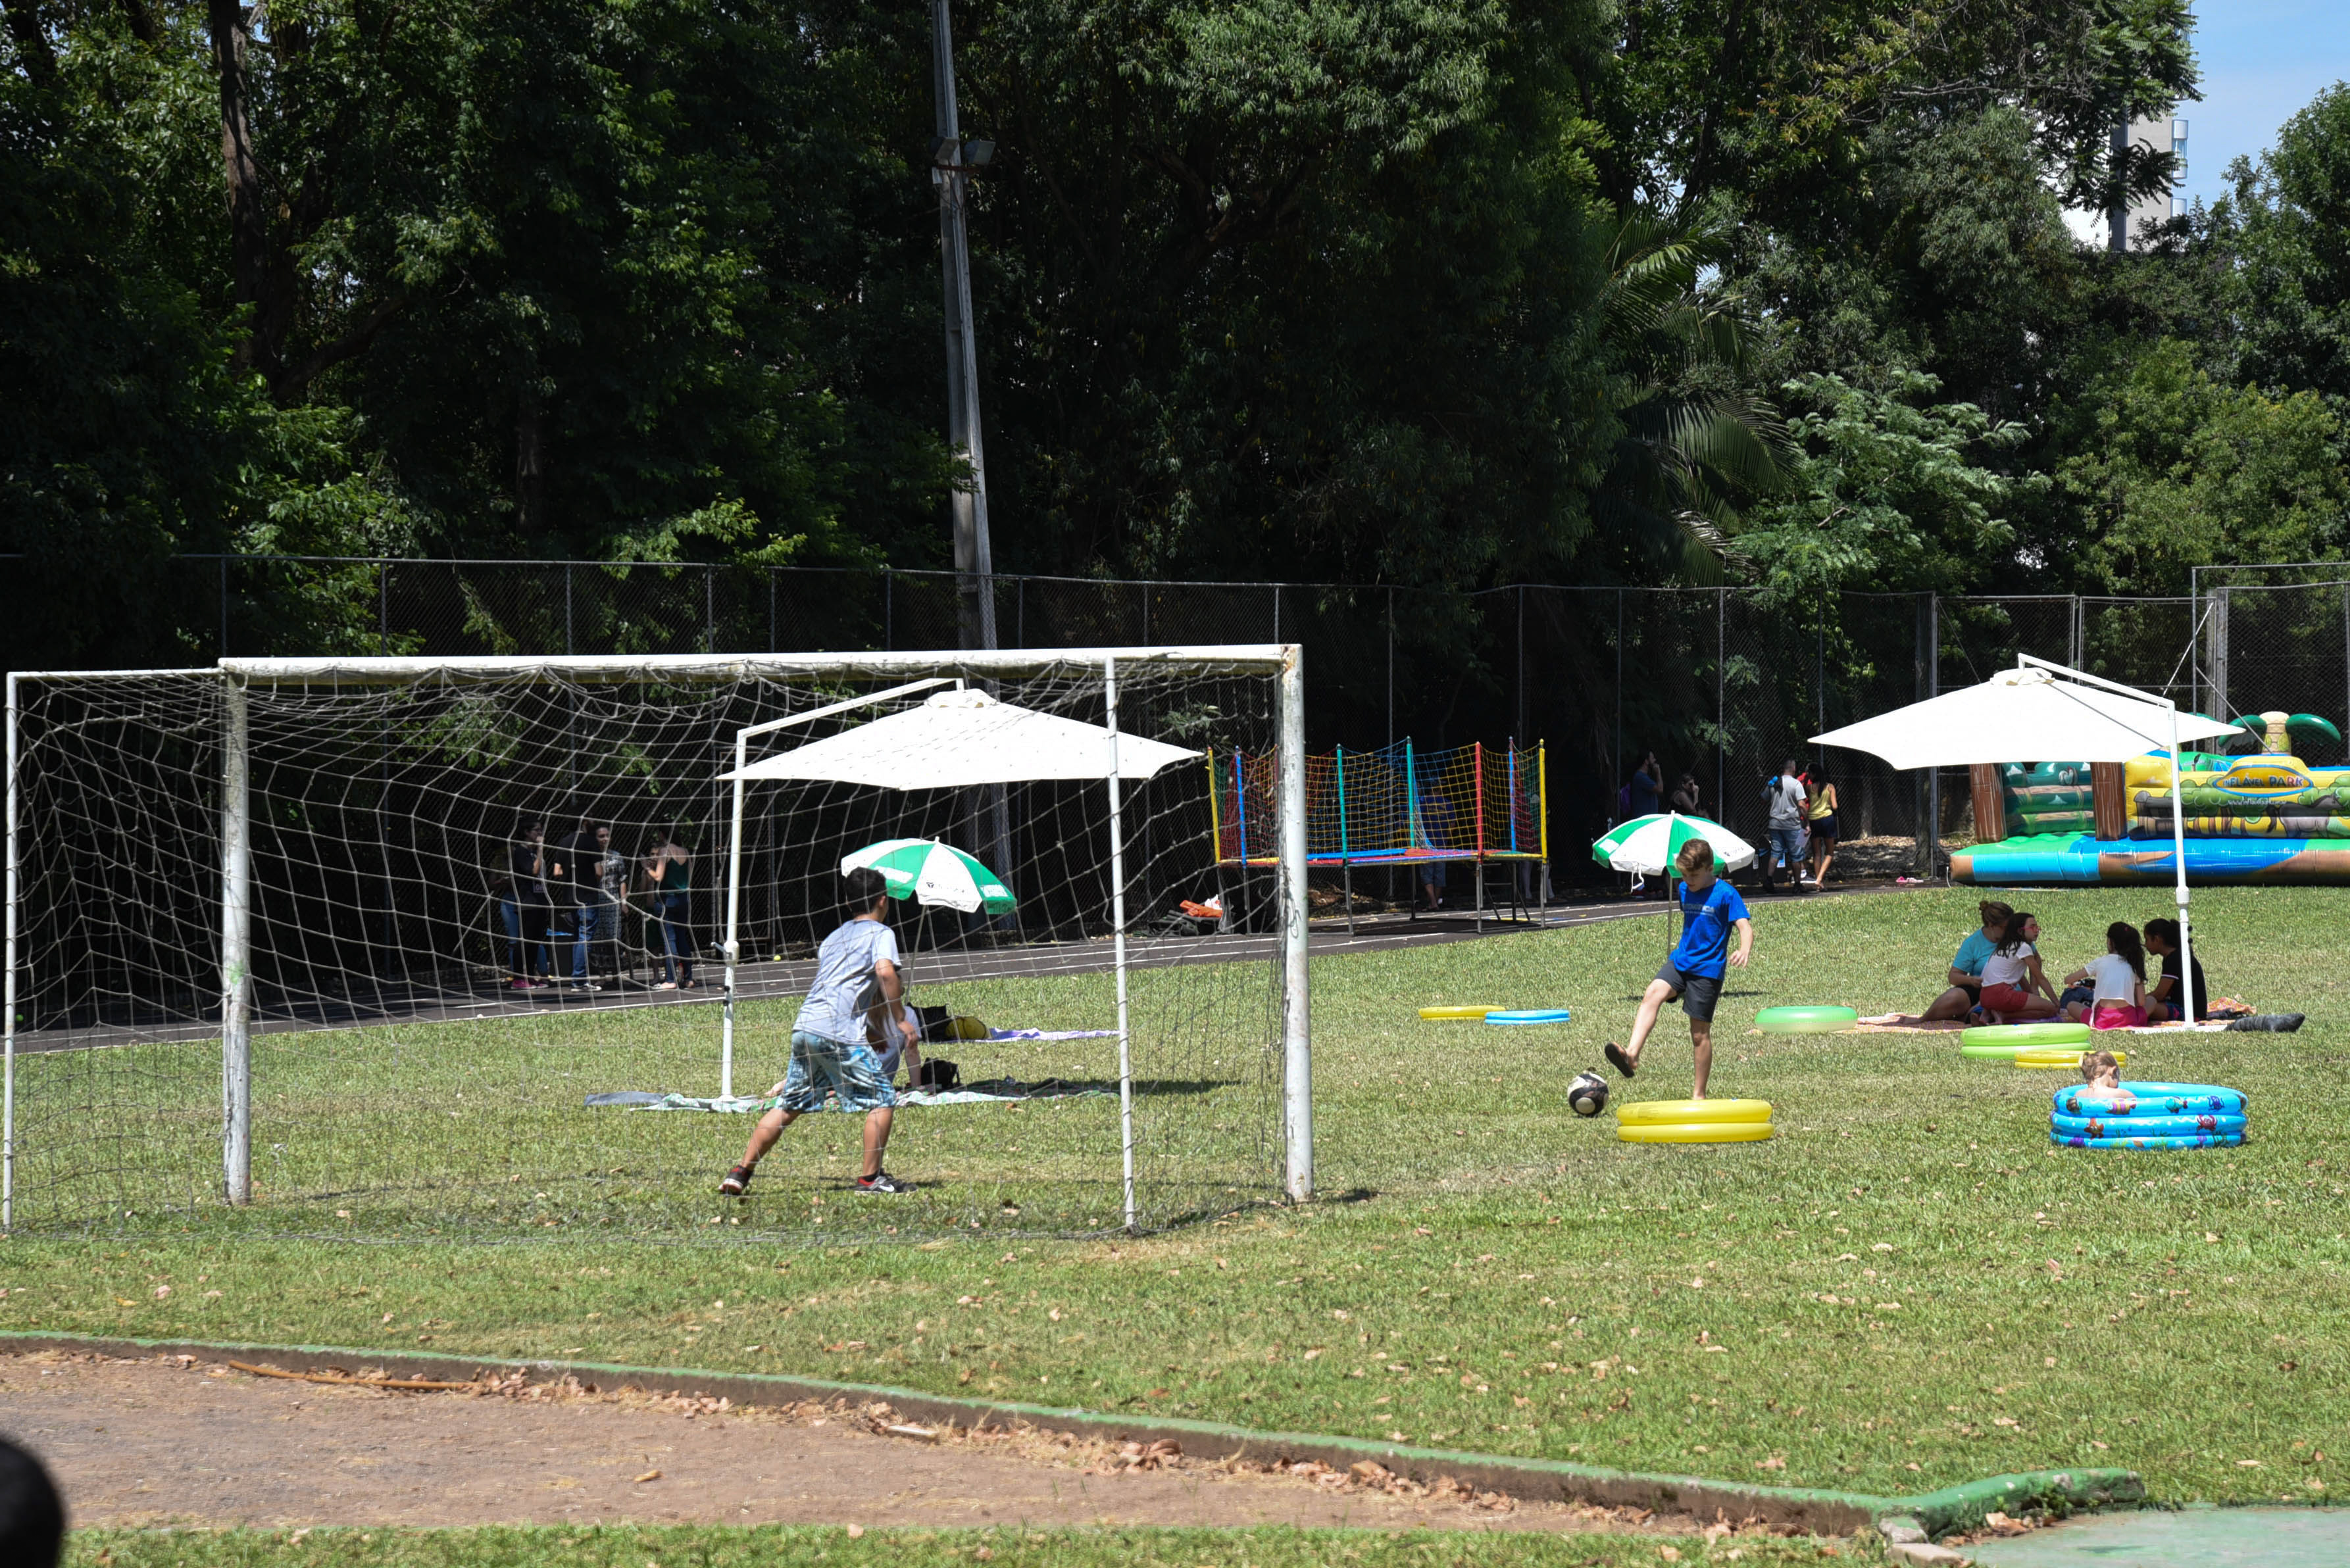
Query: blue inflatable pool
[2177,1140]
[2144,1127]
[2151,1100]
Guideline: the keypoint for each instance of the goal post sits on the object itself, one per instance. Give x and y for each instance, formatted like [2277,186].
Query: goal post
[1296,1012]
[386,1059]
[236,942]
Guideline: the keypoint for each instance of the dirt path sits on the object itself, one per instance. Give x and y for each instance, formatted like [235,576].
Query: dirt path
[167,1441]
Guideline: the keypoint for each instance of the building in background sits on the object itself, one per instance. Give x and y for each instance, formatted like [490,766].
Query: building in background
[2123,228]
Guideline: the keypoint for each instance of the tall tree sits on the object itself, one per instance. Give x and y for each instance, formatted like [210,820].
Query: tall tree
[1297,291]
[2286,228]
[1774,104]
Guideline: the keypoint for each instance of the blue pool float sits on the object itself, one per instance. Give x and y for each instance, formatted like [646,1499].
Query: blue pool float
[1530,1015]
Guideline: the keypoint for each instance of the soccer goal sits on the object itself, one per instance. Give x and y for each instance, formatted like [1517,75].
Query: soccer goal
[386,946]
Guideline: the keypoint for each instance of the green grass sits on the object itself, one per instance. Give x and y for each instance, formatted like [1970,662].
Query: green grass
[477,1128]
[1906,1288]
[737,1547]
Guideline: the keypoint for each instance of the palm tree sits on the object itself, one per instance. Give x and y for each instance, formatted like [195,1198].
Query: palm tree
[1695,441]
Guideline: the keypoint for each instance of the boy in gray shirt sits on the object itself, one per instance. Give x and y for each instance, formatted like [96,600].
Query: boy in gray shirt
[856,977]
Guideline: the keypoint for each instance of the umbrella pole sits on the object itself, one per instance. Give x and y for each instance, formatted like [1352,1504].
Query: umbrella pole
[734,904]
[2188,1000]
[1117,944]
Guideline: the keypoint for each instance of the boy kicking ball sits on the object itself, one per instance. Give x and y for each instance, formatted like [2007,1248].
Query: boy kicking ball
[856,976]
[1709,907]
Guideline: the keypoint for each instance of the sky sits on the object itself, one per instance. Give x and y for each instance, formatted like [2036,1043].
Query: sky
[2263,61]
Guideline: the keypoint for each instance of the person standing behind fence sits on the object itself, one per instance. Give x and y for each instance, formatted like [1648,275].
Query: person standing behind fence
[1648,787]
[597,875]
[669,869]
[1786,799]
[1686,799]
[1436,830]
[527,906]
[1820,818]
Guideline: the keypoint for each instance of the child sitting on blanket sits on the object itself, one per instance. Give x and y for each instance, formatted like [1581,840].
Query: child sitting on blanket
[2015,987]
[2166,1003]
[2115,982]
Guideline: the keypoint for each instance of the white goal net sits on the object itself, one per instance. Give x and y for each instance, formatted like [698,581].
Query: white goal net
[376,947]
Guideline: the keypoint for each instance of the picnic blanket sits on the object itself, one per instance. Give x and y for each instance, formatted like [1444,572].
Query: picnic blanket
[995,1091]
[1907,1024]
[1052,1034]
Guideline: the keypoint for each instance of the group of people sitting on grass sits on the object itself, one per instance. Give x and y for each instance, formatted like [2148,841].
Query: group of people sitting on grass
[1998,977]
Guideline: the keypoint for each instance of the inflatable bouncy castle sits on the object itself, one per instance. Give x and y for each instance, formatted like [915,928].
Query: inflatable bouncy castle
[2267,818]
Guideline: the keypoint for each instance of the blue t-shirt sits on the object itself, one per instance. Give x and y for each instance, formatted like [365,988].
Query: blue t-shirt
[843,989]
[1705,943]
[1973,953]
[1645,794]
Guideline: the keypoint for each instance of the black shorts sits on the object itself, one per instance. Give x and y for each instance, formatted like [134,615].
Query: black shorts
[1824,827]
[1698,992]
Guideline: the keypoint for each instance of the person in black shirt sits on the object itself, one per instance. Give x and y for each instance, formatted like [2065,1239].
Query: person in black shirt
[2163,1002]
[528,905]
[582,895]
[600,879]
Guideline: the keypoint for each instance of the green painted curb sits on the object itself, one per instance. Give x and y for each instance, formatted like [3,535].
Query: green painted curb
[1547,1480]
[1963,1506]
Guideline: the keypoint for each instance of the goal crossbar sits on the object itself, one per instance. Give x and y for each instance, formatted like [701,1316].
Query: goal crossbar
[1253,657]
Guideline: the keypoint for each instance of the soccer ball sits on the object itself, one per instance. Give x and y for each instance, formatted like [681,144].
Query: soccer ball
[1587,1094]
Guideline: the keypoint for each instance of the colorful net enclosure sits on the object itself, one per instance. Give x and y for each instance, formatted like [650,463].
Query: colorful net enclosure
[1392,805]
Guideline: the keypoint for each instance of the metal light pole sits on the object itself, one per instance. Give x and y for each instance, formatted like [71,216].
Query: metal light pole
[951,163]
[951,160]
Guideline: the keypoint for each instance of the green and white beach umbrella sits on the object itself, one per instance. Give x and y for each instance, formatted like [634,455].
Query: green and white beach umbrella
[935,874]
[1646,845]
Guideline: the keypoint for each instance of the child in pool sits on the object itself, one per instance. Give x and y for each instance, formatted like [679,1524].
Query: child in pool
[2100,1073]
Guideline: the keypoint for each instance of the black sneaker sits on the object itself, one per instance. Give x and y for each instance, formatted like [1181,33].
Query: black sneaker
[736,1181]
[882,1181]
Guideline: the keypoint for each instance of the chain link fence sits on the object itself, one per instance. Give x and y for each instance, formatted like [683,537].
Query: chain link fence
[1721,685]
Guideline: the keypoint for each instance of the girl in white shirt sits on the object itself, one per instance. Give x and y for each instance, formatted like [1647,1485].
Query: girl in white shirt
[2014,990]
[2119,979]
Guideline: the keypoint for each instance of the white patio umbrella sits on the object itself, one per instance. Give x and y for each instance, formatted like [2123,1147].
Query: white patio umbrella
[956,738]
[2037,712]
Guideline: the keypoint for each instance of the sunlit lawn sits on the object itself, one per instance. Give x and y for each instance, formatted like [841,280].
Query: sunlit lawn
[1906,1288]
